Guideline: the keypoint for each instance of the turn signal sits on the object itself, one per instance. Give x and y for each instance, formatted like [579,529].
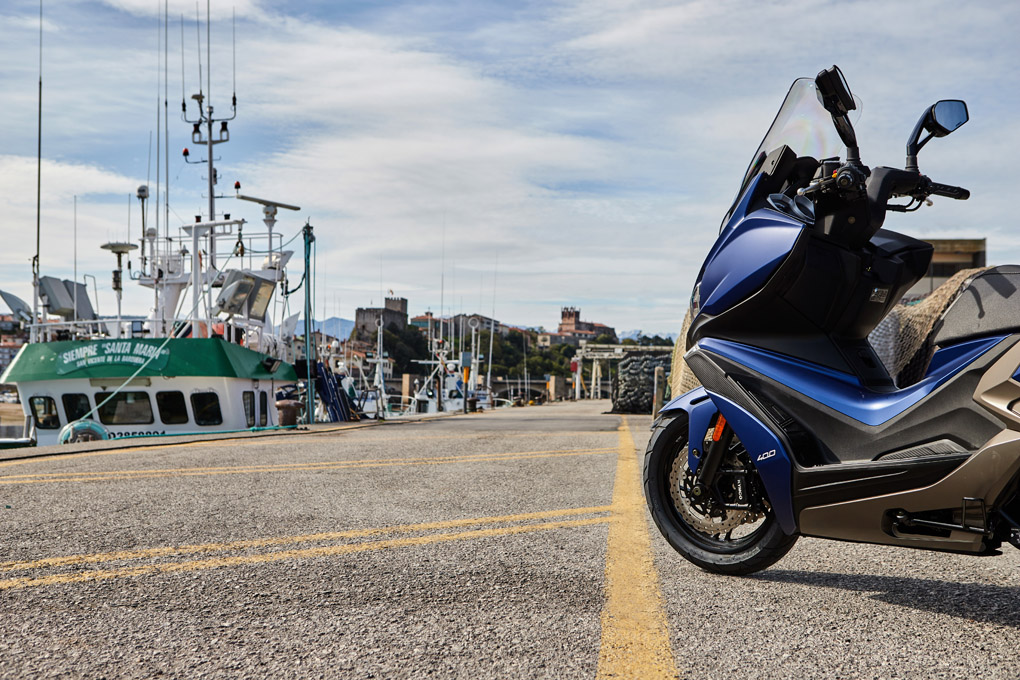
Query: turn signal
[719,425]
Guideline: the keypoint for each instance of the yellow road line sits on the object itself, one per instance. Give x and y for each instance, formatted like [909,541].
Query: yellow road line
[635,638]
[286,540]
[258,440]
[43,458]
[55,477]
[303,553]
[311,463]
[126,450]
[500,435]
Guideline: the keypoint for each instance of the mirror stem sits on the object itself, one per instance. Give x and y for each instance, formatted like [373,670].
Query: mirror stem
[849,137]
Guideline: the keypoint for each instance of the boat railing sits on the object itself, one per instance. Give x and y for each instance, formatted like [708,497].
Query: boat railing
[241,331]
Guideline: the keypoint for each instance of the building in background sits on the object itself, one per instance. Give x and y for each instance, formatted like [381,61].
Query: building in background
[462,322]
[547,340]
[572,327]
[393,312]
[423,321]
[951,255]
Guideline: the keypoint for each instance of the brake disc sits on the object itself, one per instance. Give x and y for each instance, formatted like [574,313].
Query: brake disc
[681,481]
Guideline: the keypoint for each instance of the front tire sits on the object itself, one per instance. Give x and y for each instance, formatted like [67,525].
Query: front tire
[723,541]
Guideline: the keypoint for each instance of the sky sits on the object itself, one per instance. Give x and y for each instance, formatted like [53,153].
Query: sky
[521,156]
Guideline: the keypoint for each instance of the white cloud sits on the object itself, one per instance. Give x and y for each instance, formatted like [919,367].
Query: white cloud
[175,8]
[592,145]
[99,220]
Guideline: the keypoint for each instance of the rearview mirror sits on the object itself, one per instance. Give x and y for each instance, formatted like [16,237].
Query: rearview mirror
[938,120]
[946,116]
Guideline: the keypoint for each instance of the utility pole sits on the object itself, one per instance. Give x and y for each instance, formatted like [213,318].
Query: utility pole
[309,239]
[380,381]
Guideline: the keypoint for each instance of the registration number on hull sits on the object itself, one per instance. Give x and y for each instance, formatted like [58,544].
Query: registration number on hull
[121,435]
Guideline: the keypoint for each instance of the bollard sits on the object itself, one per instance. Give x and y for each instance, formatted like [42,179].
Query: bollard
[659,389]
[288,412]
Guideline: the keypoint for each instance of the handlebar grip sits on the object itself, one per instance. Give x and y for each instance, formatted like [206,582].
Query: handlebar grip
[959,193]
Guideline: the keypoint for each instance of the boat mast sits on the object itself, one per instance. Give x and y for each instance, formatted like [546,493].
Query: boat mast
[209,124]
[205,116]
[492,330]
[34,332]
[154,266]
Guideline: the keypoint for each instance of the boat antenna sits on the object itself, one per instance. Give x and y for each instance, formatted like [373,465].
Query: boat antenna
[75,287]
[233,50]
[184,97]
[148,173]
[198,37]
[208,60]
[158,120]
[166,117]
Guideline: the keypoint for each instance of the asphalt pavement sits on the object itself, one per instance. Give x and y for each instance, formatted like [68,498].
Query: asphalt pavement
[504,544]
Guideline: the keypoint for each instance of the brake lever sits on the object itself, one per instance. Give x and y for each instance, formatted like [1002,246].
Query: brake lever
[816,185]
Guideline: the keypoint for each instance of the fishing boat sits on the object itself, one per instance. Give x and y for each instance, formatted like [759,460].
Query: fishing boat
[211,361]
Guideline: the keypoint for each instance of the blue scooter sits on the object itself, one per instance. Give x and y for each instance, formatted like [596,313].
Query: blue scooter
[798,427]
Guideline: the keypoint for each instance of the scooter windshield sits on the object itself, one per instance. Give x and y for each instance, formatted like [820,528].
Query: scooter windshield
[802,124]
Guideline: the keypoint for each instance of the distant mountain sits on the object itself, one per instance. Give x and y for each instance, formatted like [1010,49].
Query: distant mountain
[635,334]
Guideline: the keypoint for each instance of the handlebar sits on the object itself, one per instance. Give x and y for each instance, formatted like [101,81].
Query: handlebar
[947,190]
[883,184]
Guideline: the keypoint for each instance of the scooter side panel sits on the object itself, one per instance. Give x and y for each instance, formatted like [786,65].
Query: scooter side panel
[842,392]
[986,475]
[745,256]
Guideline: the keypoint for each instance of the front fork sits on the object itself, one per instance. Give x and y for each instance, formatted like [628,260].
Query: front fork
[713,452]
[773,467]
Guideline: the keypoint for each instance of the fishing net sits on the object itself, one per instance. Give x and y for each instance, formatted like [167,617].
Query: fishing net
[681,378]
[903,340]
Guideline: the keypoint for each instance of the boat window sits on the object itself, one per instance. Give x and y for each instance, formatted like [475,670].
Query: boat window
[172,409]
[75,406]
[206,406]
[44,410]
[125,408]
[248,397]
[263,408]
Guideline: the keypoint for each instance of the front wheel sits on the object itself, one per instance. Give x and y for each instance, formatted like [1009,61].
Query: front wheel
[726,540]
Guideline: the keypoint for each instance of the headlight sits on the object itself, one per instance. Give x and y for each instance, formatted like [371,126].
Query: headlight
[696,300]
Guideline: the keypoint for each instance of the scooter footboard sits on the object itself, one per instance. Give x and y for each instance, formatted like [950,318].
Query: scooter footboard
[984,477]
